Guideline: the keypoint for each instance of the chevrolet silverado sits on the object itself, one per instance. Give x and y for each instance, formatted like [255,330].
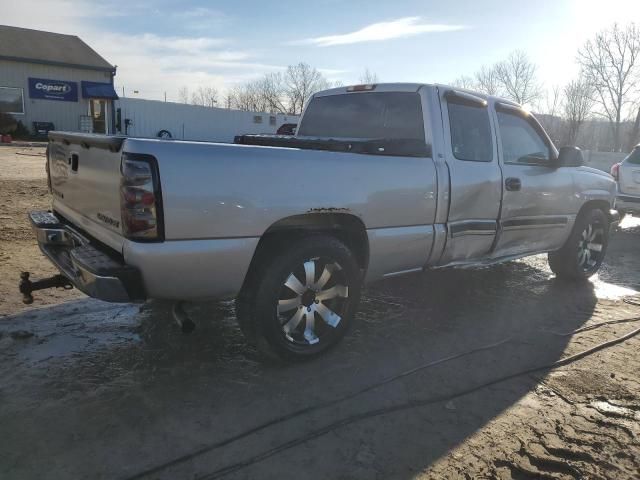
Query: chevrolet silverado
[379,180]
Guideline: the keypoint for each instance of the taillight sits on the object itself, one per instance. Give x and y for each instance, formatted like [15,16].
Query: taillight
[140,198]
[615,171]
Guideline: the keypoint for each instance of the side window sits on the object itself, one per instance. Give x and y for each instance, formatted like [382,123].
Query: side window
[470,132]
[521,142]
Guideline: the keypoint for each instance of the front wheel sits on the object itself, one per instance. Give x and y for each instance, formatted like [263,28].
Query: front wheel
[302,300]
[583,253]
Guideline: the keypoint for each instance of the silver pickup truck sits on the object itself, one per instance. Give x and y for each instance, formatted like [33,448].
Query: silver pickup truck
[380,180]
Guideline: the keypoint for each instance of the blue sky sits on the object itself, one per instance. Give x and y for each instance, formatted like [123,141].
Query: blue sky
[162,45]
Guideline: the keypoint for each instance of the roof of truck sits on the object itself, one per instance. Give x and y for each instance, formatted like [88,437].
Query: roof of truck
[37,46]
[412,87]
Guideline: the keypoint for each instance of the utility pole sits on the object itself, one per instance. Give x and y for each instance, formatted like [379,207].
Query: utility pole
[165,96]
[123,90]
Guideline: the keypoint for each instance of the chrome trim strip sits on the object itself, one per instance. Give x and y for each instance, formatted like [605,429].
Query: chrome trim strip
[473,227]
[534,222]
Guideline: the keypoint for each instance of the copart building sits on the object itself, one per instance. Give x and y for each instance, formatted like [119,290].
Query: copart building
[49,80]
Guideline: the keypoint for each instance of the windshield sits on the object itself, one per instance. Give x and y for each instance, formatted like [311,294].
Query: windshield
[389,115]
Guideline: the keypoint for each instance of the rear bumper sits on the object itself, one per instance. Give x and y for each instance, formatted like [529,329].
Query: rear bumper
[90,268]
[628,203]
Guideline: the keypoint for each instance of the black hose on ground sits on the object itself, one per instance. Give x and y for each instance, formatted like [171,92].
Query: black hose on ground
[372,413]
[406,406]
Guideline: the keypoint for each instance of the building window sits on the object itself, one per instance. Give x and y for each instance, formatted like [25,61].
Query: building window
[11,100]
[272,120]
[257,119]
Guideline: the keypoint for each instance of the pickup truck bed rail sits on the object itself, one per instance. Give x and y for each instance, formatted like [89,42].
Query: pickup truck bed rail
[394,147]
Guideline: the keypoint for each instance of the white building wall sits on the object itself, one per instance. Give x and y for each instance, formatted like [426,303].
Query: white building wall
[64,115]
[192,122]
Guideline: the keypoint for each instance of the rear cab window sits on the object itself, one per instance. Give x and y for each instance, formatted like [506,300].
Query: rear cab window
[365,116]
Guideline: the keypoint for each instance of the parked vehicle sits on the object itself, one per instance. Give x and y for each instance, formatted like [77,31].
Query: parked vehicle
[627,174]
[383,180]
[287,129]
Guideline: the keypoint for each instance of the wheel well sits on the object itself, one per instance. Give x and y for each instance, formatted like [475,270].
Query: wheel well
[347,228]
[599,204]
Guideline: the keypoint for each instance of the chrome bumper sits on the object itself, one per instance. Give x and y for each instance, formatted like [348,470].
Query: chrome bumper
[92,270]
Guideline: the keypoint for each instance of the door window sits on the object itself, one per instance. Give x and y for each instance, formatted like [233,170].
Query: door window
[470,132]
[521,142]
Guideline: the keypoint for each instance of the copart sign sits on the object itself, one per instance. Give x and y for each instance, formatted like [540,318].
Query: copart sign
[47,89]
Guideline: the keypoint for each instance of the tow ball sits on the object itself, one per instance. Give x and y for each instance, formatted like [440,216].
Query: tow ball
[26,286]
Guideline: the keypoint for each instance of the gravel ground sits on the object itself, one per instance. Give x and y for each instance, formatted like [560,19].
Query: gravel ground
[23,187]
[449,374]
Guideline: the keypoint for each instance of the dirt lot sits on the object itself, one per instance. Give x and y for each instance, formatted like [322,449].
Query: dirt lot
[23,187]
[449,374]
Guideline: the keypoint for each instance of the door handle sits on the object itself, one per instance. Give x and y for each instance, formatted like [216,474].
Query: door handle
[513,184]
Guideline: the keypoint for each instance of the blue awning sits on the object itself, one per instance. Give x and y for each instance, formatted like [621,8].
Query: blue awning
[98,90]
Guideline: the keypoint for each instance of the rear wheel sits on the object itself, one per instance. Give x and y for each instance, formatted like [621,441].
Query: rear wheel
[302,300]
[583,253]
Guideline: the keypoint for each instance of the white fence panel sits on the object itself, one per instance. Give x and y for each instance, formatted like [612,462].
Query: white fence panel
[191,122]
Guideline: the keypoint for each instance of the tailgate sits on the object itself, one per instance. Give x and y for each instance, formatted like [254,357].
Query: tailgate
[84,171]
[629,174]
[629,178]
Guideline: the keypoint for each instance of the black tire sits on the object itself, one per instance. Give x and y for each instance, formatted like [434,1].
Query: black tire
[303,328]
[583,253]
[164,134]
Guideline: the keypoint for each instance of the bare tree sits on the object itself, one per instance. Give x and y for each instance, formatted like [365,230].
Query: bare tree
[183,95]
[464,81]
[549,111]
[487,80]
[302,81]
[280,92]
[205,96]
[577,105]
[272,88]
[611,63]
[368,77]
[517,77]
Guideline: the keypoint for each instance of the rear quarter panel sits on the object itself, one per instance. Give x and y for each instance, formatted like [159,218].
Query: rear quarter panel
[229,191]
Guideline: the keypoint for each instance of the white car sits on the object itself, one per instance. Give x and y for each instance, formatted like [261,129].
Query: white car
[627,173]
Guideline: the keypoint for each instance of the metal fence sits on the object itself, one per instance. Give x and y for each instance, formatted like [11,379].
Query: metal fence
[147,118]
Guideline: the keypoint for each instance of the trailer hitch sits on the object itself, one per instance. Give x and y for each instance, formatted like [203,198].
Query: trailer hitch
[26,286]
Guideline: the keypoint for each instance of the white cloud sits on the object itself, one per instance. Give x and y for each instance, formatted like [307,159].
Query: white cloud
[147,62]
[201,18]
[187,45]
[400,28]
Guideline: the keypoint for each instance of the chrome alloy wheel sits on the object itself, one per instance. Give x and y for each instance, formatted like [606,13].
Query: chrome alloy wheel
[310,309]
[590,246]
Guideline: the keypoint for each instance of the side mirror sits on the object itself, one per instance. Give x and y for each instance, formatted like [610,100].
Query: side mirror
[569,157]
